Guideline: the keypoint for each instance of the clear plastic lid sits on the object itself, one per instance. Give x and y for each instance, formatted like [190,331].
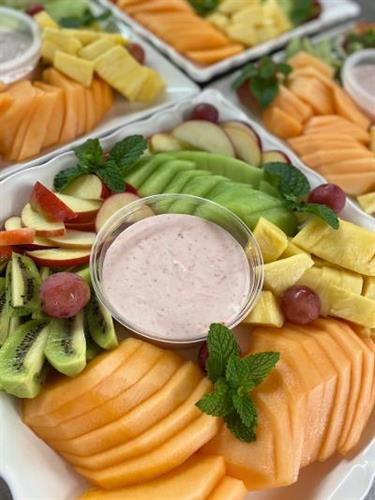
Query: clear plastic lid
[20,44]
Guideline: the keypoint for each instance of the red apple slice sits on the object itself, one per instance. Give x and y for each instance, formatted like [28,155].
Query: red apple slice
[88,187]
[60,257]
[49,205]
[5,256]
[16,237]
[205,136]
[86,210]
[81,226]
[112,205]
[13,223]
[38,241]
[42,227]
[245,142]
[74,239]
[272,156]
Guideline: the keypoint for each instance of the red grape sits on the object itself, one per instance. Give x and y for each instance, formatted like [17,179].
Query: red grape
[64,294]
[329,194]
[137,52]
[300,304]
[205,112]
[202,356]
[34,9]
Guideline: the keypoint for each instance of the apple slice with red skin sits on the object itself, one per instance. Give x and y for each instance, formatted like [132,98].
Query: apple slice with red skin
[274,156]
[74,239]
[60,257]
[86,210]
[38,241]
[81,226]
[49,205]
[245,141]
[43,227]
[88,187]
[112,205]
[5,256]
[21,236]
[205,136]
[131,189]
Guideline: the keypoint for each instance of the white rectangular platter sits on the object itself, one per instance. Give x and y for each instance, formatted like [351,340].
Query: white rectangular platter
[178,86]
[333,12]
[34,472]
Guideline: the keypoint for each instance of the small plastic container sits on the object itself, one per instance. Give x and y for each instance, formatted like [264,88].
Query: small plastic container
[161,204]
[20,44]
[358,75]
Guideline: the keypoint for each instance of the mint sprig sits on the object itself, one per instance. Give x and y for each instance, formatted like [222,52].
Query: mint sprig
[204,7]
[234,377]
[294,187]
[264,79]
[110,168]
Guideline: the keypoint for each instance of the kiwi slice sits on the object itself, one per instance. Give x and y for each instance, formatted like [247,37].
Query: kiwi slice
[100,324]
[66,345]
[24,285]
[4,312]
[44,273]
[22,358]
[92,349]
[84,273]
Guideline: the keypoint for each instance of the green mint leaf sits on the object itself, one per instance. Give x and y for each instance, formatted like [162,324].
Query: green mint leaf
[66,177]
[86,19]
[237,372]
[90,154]
[260,364]
[322,211]
[239,429]
[265,92]
[266,68]
[221,344]
[112,176]
[246,409]
[248,72]
[219,402]
[284,68]
[303,10]
[126,152]
[204,7]
[288,179]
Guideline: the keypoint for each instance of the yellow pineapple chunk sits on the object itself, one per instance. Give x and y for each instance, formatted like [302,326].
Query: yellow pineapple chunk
[291,250]
[350,246]
[266,312]
[89,36]
[152,87]
[367,202]
[351,307]
[348,280]
[76,68]
[65,42]
[44,20]
[369,288]
[282,274]
[48,50]
[233,6]
[218,19]
[95,49]
[271,240]
[114,67]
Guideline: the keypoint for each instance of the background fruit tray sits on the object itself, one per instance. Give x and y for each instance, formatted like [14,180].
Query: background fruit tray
[336,479]
[178,86]
[333,12]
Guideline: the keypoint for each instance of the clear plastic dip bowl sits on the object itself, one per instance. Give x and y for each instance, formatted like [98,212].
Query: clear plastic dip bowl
[168,266]
[20,44]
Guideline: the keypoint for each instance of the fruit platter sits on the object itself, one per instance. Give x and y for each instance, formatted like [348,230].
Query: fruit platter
[68,89]
[272,392]
[334,138]
[223,34]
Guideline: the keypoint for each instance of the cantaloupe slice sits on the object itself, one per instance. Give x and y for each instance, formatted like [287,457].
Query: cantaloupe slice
[313,93]
[210,56]
[90,109]
[40,122]
[354,166]
[325,157]
[346,107]
[72,97]
[189,40]
[229,488]
[163,459]
[138,420]
[23,94]
[107,96]
[61,422]
[195,479]
[353,184]
[98,98]
[159,6]
[341,126]
[292,105]
[303,59]
[280,123]
[54,129]
[64,392]
[149,382]
[5,101]
[310,145]
[151,438]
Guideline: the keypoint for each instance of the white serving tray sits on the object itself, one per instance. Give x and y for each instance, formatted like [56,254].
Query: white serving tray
[333,12]
[34,472]
[178,86]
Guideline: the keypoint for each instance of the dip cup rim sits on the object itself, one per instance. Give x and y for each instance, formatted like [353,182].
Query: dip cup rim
[254,259]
